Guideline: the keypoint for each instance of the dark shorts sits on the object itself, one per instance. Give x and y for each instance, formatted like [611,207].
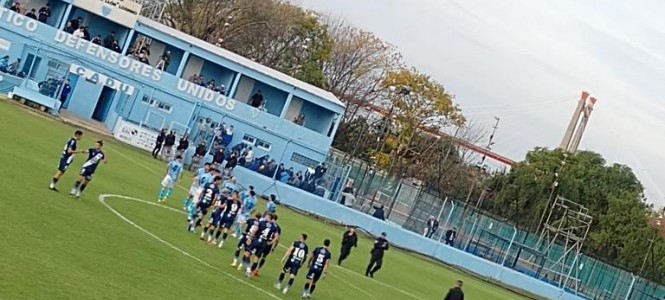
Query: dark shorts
[256,247]
[314,274]
[215,219]
[291,267]
[64,164]
[87,173]
[227,222]
[242,243]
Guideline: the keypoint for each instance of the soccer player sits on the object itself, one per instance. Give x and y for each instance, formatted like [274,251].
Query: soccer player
[250,226]
[271,207]
[261,240]
[293,259]
[231,211]
[318,266]
[66,158]
[208,197]
[173,173]
[375,262]
[203,180]
[215,218]
[95,155]
[248,205]
[273,241]
[195,185]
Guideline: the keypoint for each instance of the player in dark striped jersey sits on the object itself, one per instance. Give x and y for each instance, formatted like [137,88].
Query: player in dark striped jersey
[250,225]
[95,156]
[230,212]
[318,266]
[293,259]
[208,197]
[66,158]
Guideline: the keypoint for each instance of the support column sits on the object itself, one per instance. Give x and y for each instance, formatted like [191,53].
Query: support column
[234,87]
[183,64]
[339,120]
[128,41]
[65,17]
[286,105]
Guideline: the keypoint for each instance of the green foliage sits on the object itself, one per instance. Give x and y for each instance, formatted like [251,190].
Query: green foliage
[612,193]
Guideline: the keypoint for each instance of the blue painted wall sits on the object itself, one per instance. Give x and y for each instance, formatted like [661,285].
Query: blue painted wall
[83,99]
[317,118]
[58,9]
[84,96]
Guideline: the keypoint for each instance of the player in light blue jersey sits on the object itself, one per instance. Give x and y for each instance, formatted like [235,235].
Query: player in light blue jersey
[95,155]
[271,206]
[193,189]
[173,173]
[203,180]
[248,206]
[66,158]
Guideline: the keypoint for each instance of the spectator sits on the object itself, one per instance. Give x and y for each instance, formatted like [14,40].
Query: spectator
[296,180]
[13,67]
[347,196]
[169,142]
[221,89]
[66,89]
[115,47]
[69,28]
[199,153]
[451,234]
[249,156]
[183,145]
[159,142]
[218,158]
[79,33]
[16,7]
[379,213]
[232,161]
[320,171]
[309,174]
[227,136]
[4,63]
[97,40]
[300,119]
[144,59]
[257,99]
[109,39]
[76,23]
[194,78]
[86,33]
[164,61]
[455,293]
[431,226]
[32,14]
[44,13]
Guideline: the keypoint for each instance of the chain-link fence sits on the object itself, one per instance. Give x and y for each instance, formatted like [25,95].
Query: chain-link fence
[465,227]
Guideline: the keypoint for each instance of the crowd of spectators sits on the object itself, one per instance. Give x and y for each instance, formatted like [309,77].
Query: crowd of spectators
[198,79]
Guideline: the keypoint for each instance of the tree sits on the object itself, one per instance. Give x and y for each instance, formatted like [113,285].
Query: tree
[614,196]
[277,34]
[415,102]
[358,63]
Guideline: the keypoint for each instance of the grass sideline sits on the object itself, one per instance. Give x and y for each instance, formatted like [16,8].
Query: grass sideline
[55,247]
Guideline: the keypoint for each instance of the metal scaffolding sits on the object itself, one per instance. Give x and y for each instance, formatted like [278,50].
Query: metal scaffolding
[153,9]
[562,237]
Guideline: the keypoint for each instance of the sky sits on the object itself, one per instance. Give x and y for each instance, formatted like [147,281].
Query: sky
[527,62]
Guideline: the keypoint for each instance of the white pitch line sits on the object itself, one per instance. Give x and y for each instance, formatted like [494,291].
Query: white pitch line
[180,186]
[102,199]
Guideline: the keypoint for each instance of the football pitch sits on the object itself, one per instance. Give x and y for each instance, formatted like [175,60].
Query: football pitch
[123,246]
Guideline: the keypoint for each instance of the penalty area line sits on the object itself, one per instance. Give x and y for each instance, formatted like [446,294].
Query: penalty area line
[102,200]
[282,246]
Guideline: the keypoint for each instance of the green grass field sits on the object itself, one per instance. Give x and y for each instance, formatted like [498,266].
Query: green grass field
[55,247]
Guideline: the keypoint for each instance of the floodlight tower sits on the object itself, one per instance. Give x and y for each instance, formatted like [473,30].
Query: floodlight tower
[573,136]
[153,9]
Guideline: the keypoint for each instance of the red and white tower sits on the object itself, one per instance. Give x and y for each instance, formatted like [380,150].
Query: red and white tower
[573,136]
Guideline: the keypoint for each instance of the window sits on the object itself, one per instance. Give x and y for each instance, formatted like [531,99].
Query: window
[261,144]
[303,160]
[249,140]
[163,106]
[148,101]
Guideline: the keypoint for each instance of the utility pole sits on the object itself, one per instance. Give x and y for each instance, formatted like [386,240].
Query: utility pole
[490,143]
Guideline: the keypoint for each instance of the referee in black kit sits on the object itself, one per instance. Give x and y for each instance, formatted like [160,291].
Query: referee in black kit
[375,262]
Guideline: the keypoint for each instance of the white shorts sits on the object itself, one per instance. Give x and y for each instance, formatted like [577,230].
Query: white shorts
[198,193]
[168,182]
[193,190]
